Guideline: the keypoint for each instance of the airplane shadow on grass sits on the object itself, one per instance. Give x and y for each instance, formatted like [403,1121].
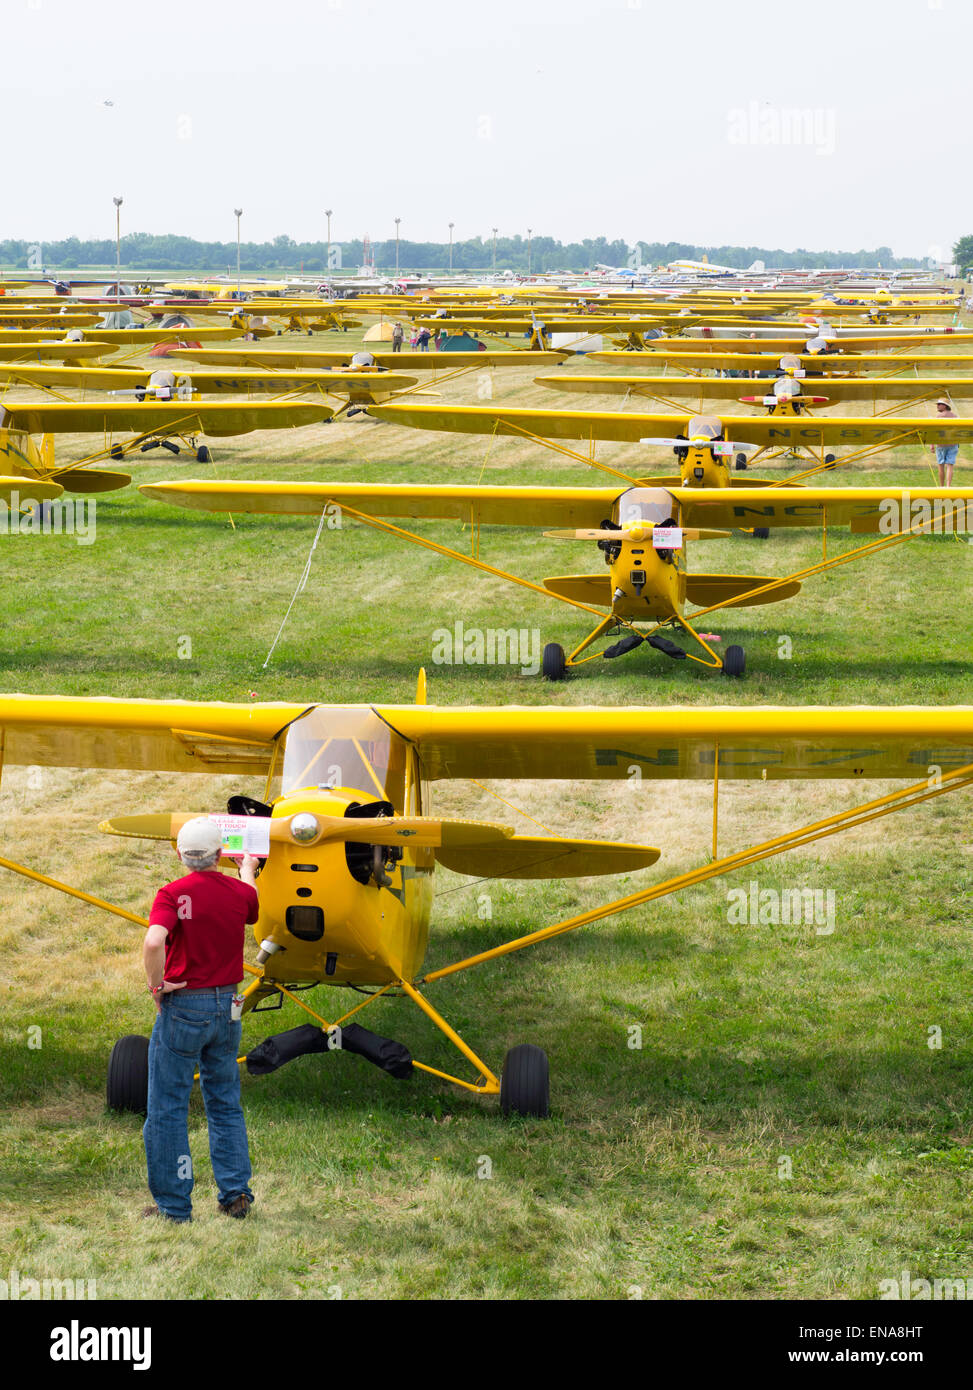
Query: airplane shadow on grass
[709,1061]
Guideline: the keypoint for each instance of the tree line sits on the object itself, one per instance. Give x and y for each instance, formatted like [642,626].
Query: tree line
[143,251]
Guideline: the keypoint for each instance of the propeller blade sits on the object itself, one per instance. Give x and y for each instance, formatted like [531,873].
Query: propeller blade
[719,446]
[640,532]
[584,533]
[424,832]
[162,825]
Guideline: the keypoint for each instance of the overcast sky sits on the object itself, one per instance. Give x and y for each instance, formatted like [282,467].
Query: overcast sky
[836,124]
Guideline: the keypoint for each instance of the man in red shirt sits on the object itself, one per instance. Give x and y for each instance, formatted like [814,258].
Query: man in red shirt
[193,956]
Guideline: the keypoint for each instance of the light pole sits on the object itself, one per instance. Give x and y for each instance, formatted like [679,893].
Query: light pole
[528,250]
[238,213]
[495,250]
[451,226]
[118,246]
[327,264]
[397,221]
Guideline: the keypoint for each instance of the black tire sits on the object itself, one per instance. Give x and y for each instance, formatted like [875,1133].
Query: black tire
[552,666]
[128,1074]
[525,1082]
[734,662]
[761,533]
[116,452]
[829,460]
[203,454]
[740,462]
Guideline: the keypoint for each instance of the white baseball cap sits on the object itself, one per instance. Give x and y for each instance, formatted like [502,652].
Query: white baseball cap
[199,836]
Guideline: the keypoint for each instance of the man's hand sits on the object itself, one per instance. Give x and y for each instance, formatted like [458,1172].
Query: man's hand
[167,987]
[248,869]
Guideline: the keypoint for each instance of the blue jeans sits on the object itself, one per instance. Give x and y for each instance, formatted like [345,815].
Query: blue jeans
[195,1032]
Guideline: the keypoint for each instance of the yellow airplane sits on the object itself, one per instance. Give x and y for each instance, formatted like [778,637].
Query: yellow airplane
[767,364]
[864,435]
[349,851]
[297,315]
[357,389]
[641,531]
[631,330]
[836,346]
[150,424]
[38,320]
[791,394]
[117,336]
[363,359]
[30,351]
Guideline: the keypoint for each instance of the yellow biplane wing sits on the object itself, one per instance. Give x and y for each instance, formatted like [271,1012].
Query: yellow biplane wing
[533,742]
[632,426]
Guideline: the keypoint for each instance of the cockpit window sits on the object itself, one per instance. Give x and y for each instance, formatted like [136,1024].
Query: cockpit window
[352,747]
[705,427]
[651,504]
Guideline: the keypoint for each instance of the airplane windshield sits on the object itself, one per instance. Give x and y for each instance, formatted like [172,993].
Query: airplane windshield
[652,504]
[338,747]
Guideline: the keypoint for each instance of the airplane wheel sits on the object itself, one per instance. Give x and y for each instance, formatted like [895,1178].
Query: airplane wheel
[761,533]
[525,1082]
[128,1074]
[203,454]
[116,451]
[552,666]
[734,662]
[740,461]
[829,460]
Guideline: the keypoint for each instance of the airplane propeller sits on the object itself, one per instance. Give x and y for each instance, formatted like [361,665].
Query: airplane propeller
[719,446]
[311,828]
[639,532]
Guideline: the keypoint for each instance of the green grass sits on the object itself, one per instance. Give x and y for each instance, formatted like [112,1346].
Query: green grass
[661,1167]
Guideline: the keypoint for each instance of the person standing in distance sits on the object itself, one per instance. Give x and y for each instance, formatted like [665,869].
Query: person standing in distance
[946,454]
[193,956]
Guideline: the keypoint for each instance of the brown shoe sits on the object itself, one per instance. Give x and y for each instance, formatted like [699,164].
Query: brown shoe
[156,1211]
[238,1208]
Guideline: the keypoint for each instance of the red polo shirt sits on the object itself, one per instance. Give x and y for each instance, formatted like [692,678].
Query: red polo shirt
[206,915]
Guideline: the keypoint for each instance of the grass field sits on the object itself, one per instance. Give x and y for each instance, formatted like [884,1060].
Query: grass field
[788,1126]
